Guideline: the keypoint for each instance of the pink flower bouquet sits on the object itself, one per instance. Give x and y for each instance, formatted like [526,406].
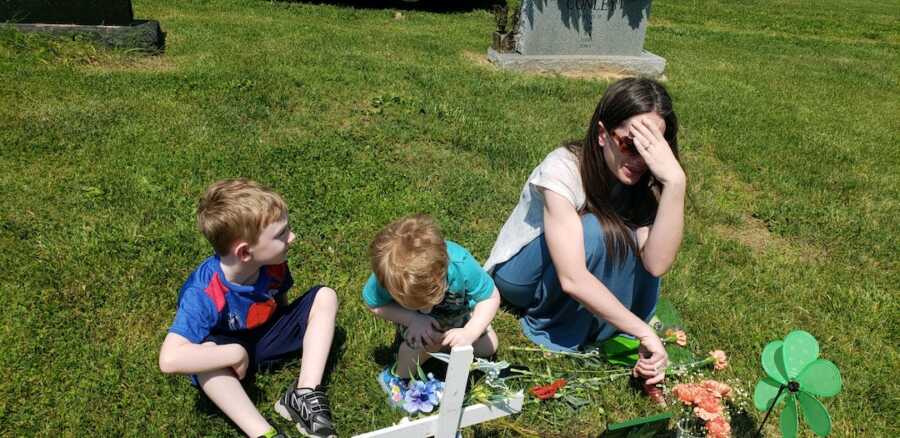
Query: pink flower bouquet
[704,409]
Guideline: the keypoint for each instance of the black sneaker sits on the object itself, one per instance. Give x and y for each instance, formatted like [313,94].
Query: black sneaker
[309,410]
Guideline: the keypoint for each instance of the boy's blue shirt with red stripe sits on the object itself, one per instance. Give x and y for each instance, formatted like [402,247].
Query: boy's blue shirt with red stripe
[209,303]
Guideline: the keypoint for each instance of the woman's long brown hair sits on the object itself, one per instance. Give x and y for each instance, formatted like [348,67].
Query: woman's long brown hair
[617,206]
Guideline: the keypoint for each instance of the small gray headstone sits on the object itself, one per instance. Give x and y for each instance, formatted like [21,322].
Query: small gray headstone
[578,34]
[109,22]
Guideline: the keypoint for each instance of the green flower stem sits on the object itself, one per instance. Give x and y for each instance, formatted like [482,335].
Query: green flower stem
[709,360]
[609,371]
[592,353]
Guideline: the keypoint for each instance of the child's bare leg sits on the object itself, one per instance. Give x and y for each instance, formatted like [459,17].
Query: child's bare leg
[408,358]
[317,345]
[487,344]
[225,390]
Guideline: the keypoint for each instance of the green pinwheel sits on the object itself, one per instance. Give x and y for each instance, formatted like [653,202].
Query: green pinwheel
[795,375]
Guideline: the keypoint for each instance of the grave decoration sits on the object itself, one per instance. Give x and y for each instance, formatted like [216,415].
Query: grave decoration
[644,427]
[703,409]
[592,370]
[450,397]
[507,20]
[794,376]
[583,373]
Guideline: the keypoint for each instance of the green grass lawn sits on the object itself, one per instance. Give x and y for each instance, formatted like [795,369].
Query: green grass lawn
[790,121]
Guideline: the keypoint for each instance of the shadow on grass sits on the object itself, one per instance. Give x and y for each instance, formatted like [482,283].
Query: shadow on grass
[517,312]
[385,355]
[743,425]
[437,6]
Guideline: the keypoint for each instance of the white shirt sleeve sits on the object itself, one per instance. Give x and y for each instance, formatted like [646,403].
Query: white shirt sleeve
[559,173]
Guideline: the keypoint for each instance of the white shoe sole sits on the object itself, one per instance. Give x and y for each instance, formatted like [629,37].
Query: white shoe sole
[282,410]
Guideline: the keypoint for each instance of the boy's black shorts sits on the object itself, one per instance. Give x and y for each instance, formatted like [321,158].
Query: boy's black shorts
[280,337]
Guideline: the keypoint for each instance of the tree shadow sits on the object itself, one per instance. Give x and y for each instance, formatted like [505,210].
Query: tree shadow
[423,5]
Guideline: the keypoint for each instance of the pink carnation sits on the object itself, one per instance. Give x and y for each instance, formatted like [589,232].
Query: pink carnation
[719,358]
[680,337]
[720,389]
[718,428]
[708,408]
[688,394]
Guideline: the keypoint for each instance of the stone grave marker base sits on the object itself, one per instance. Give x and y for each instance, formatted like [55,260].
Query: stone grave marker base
[144,35]
[647,64]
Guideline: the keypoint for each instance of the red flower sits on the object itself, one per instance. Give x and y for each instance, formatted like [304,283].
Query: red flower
[547,391]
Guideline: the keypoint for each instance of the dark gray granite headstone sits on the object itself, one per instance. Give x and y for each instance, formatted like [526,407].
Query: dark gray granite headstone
[90,12]
[579,34]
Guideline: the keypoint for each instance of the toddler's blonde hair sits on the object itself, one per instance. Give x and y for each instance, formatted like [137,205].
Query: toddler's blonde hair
[409,258]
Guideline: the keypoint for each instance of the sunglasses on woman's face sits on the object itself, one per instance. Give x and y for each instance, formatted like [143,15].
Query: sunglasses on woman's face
[626,144]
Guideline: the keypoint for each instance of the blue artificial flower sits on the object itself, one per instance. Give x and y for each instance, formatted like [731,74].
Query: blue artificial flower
[435,387]
[423,396]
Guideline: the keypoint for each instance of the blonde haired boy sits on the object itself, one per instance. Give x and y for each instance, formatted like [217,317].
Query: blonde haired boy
[434,290]
[233,314]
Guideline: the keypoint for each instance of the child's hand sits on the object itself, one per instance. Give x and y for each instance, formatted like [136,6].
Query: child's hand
[459,336]
[422,331]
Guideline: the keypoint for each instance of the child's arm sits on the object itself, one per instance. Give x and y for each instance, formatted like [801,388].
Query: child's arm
[482,315]
[180,356]
[420,329]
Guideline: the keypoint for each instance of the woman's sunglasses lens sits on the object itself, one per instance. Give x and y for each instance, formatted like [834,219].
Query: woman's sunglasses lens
[627,146]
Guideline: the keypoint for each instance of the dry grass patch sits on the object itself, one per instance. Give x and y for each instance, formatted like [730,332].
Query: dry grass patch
[150,63]
[716,187]
[595,74]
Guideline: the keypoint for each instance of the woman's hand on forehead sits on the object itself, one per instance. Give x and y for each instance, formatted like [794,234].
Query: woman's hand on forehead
[650,120]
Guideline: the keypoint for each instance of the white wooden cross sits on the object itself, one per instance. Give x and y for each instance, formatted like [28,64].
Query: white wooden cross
[452,416]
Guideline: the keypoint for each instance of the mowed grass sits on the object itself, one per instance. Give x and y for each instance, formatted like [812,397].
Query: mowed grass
[790,121]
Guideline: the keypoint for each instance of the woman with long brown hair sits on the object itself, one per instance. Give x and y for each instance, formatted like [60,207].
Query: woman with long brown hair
[597,224]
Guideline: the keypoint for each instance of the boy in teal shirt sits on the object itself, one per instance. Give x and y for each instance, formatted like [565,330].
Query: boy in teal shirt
[434,290]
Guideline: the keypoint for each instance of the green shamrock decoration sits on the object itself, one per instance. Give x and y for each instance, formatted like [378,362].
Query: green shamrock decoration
[794,365]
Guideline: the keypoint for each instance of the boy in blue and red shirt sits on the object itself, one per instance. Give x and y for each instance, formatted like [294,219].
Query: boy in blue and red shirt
[233,313]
